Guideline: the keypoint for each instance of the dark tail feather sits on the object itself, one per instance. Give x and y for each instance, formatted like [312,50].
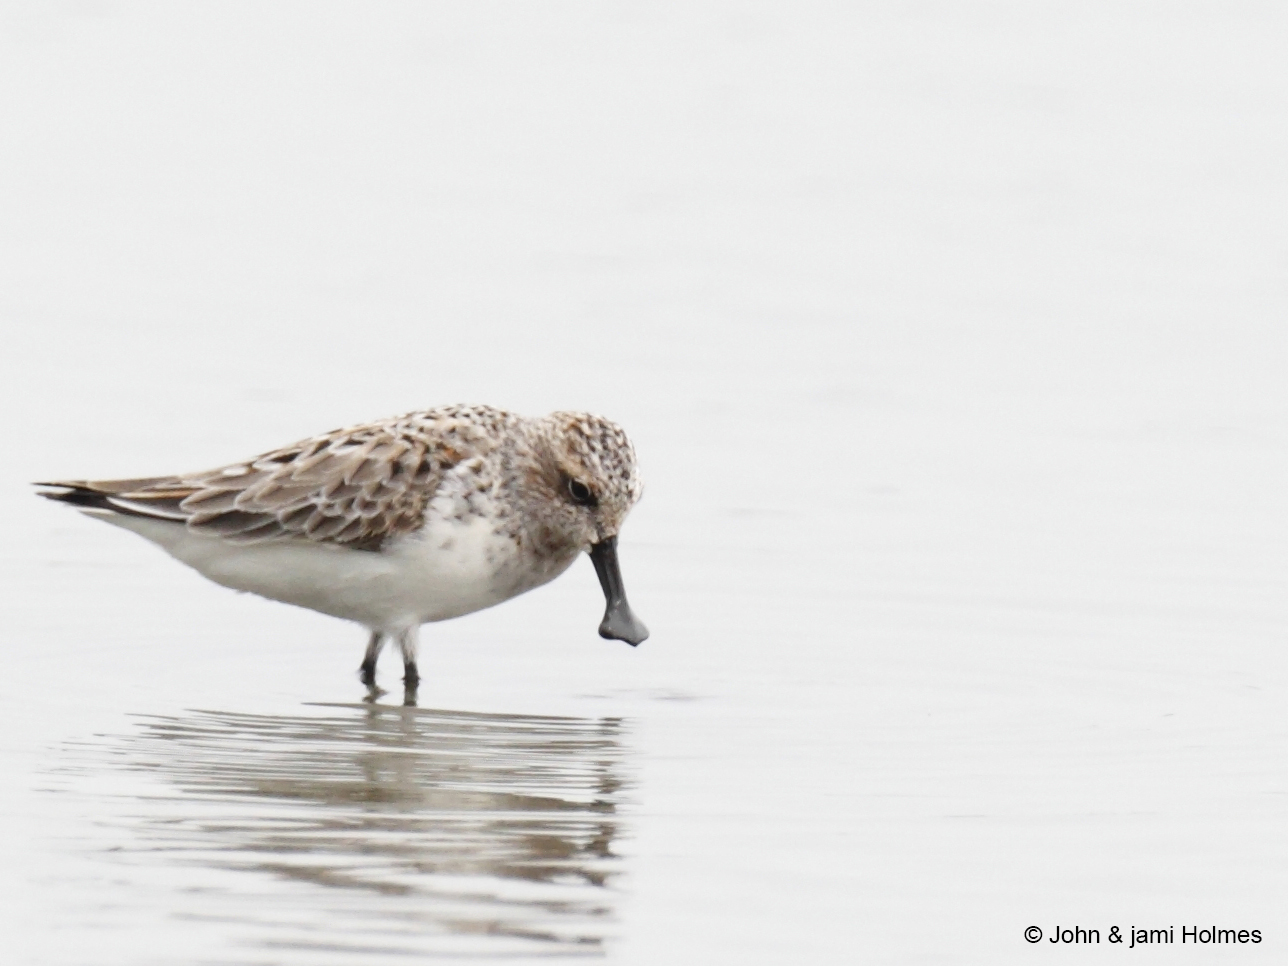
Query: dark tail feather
[76,496]
[88,496]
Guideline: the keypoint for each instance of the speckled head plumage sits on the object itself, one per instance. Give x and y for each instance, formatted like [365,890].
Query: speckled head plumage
[581,482]
[597,466]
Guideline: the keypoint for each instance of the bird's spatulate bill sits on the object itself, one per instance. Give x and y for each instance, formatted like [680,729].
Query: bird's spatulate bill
[619,624]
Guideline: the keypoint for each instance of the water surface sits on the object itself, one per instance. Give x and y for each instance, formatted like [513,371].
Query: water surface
[362,830]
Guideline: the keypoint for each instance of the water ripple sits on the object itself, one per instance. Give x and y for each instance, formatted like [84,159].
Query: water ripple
[364,830]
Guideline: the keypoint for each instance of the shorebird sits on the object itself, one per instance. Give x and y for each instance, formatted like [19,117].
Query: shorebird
[400,522]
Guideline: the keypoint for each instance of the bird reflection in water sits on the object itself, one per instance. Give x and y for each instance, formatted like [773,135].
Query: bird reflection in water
[433,832]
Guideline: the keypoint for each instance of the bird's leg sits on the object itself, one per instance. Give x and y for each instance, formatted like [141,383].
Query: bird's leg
[407,643]
[368,669]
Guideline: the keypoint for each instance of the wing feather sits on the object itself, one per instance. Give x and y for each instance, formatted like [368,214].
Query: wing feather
[356,487]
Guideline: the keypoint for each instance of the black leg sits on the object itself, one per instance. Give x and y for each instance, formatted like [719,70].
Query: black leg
[407,643]
[368,670]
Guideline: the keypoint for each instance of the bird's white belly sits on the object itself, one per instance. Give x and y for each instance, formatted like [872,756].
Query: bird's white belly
[448,568]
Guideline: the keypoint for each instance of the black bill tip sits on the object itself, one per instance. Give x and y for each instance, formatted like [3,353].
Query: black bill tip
[619,623]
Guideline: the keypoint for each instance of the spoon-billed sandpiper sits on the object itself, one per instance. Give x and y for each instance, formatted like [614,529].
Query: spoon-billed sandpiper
[399,522]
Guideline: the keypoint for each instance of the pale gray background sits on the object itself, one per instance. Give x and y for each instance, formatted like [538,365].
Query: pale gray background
[952,339]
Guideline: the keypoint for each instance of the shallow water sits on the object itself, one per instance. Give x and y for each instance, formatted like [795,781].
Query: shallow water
[364,830]
[951,340]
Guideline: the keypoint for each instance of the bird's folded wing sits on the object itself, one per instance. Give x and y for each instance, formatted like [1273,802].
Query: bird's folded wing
[356,487]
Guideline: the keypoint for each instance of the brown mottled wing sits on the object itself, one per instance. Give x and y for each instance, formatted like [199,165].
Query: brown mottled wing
[356,487]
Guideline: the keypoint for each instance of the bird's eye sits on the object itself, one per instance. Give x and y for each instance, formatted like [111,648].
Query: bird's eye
[580,493]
